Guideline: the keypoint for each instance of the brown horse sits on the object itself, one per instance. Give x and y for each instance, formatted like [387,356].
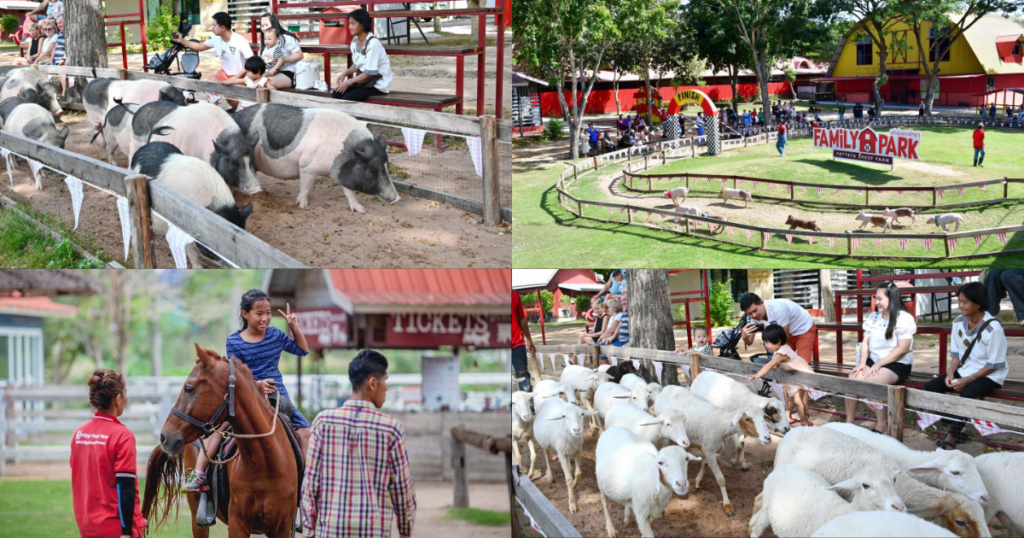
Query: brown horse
[263,479]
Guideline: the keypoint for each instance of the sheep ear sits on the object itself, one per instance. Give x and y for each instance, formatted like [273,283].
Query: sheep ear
[927,467]
[589,413]
[845,484]
[590,378]
[623,396]
[736,419]
[657,476]
[691,457]
[764,403]
[895,474]
[653,422]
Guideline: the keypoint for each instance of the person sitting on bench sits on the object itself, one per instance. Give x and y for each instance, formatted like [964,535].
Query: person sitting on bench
[370,63]
[886,356]
[283,47]
[977,346]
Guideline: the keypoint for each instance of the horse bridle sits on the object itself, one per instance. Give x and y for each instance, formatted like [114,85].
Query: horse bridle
[209,426]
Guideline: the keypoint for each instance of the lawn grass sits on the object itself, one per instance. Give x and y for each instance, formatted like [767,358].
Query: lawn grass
[43,509]
[477,516]
[24,245]
[546,235]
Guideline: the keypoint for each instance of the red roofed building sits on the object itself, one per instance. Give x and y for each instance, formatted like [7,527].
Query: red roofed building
[560,282]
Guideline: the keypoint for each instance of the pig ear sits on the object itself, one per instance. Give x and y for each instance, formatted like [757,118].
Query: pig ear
[254,139]
[64,133]
[246,211]
[382,142]
[163,131]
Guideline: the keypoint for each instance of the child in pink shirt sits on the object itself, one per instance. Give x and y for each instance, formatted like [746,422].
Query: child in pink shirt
[774,338]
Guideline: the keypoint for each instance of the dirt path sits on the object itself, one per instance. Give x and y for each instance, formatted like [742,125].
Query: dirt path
[414,232]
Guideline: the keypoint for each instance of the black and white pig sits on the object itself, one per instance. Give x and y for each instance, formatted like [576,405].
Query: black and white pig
[33,121]
[306,143]
[101,95]
[117,129]
[8,105]
[203,131]
[194,179]
[29,83]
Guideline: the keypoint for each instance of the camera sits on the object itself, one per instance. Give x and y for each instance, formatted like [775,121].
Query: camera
[746,320]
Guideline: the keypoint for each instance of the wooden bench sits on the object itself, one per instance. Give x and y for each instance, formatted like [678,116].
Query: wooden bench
[1011,390]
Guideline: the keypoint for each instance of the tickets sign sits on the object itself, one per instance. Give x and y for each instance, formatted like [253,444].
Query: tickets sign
[868,146]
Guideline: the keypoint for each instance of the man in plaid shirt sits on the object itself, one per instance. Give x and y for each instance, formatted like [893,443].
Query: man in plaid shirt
[357,467]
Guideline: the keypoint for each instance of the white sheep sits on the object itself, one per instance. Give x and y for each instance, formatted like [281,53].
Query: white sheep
[668,427]
[559,427]
[708,427]
[548,389]
[522,428]
[633,473]
[1002,473]
[609,394]
[585,381]
[945,469]
[633,381]
[731,395]
[879,525]
[837,457]
[796,502]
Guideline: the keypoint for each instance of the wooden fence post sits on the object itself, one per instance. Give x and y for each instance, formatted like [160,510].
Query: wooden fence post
[491,170]
[534,364]
[933,196]
[849,245]
[596,354]
[694,365]
[895,410]
[1006,188]
[137,188]
[262,95]
[945,242]
[122,74]
[460,483]
[510,476]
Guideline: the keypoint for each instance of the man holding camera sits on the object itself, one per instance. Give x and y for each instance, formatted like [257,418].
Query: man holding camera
[232,49]
[798,324]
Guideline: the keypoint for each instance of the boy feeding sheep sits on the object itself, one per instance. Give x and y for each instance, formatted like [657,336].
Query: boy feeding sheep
[774,338]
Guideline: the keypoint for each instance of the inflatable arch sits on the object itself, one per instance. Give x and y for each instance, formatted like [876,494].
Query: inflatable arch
[692,96]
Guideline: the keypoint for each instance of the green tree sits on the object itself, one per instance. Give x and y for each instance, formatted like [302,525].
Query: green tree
[622,58]
[9,23]
[561,40]
[160,28]
[713,36]
[875,21]
[647,24]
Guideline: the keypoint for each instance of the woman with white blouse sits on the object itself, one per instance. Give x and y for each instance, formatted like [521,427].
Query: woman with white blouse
[885,353]
[370,63]
[977,347]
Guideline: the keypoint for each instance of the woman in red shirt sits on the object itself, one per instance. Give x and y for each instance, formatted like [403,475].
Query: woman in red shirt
[104,486]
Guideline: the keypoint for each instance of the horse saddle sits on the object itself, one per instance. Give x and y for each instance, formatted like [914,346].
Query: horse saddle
[219,486]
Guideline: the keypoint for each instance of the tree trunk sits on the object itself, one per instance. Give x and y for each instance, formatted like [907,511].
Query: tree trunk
[650,319]
[615,90]
[474,21]
[647,84]
[734,81]
[155,335]
[883,57]
[117,317]
[437,20]
[765,109]
[86,40]
[828,296]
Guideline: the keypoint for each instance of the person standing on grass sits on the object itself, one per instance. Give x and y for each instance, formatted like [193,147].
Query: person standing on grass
[357,472]
[978,348]
[522,343]
[104,486]
[979,145]
[781,143]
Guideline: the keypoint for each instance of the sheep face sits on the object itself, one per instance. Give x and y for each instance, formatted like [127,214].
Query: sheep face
[595,380]
[673,426]
[572,420]
[637,397]
[962,523]
[874,489]
[751,423]
[670,468]
[956,471]
[653,390]
[521,405]
[775,415]
[547,389]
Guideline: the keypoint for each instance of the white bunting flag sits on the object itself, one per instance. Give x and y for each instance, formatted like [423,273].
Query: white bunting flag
[75,188]
[789,239]
[614,360]
[636,363]
[126,227]
[804,190]
[657,370]
[1002,237]
[739,183]
[873,405]
[580,358]
[413,139]
[7,160]
[928,245]
[878,241]
[831,242]
[856,242]
[942,194]
[952,245]
[986,427]
[816,394]
[926,419]
[588,206]
[766,236]
[977,239]
[474,152]
[810,239]
[771,187]
[565,359]
[755,185]
[36,167]
[780,392]
[903,243]
[748,234]
[723,181]
[960,190]
[686,370]
[212,98]
[728,229]
[176,240]
[533,524]
[71,82]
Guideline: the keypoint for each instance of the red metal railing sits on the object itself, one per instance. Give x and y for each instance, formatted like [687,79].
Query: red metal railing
[139,18]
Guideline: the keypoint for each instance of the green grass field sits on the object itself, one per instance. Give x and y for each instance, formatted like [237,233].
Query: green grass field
[546,235]
[43,509]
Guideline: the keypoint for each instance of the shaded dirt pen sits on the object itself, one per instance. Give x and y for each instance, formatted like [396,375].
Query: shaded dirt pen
[412,232]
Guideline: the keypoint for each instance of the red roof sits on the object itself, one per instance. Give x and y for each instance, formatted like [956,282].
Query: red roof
[35,306]
[397,290]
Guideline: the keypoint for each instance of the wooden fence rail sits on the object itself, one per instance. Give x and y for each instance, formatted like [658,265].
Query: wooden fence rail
[462,437]
[1002,414]
[550,521]
[235,244]
[488,128]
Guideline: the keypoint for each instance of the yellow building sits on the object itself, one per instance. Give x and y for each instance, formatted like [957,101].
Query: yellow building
[987,58]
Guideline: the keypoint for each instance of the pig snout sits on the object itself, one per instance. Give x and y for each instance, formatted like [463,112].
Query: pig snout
[397,198]
[252,191]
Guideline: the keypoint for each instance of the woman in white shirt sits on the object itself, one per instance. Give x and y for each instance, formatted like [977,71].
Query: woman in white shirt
[370,63]
[287,48]
[977,346]
[885,353]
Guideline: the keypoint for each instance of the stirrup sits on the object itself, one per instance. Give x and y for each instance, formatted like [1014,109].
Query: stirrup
[206,516]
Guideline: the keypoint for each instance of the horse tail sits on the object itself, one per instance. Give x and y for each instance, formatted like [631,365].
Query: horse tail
[162,470]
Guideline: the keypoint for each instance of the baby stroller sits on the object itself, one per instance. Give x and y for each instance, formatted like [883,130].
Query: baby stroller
[161,63]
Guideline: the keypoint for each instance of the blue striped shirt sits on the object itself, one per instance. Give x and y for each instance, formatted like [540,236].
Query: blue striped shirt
[58,51]
[263,358]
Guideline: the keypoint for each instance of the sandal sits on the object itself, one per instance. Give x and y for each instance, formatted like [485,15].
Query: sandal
[945,445]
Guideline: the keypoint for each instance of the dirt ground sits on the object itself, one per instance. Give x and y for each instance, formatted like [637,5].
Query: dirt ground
[413,232]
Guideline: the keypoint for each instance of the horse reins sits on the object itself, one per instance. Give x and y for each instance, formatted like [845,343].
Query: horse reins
[209,427]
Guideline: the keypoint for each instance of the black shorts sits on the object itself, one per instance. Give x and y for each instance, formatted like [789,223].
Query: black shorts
[289,74]
[902,371]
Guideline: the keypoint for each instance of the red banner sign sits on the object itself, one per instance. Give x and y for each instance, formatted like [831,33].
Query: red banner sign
[432,330]
[858,144]
[324,328]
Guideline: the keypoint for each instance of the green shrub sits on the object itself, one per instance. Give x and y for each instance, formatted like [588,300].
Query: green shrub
[160,28]
[582,303]
[547,300]
[9,22]
[553,129]
[723,309]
